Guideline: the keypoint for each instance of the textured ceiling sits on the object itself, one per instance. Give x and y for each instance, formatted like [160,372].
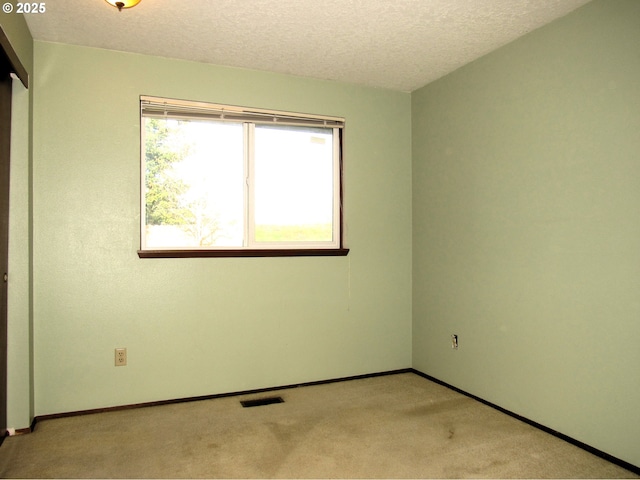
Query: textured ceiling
[396,44]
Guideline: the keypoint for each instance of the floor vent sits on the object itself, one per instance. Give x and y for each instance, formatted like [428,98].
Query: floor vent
[261,401]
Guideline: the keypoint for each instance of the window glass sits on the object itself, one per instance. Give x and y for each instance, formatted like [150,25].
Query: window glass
[293,184]
[194,184]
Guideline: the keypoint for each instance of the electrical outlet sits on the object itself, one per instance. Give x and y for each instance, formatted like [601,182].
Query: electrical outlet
[454,342]
[121,357]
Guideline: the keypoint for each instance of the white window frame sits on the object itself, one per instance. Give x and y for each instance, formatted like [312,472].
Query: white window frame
[250,117]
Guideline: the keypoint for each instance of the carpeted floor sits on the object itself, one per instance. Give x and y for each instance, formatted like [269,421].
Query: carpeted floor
[396,426]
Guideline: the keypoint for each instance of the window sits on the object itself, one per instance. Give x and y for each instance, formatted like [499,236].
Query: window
[230,181]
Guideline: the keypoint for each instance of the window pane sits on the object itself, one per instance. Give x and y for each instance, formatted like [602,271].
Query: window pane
[194,183]
[293,184]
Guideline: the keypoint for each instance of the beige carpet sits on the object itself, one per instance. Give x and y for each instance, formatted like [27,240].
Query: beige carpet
[397,426]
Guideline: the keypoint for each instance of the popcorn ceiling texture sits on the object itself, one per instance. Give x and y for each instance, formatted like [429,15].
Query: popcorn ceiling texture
[395,44]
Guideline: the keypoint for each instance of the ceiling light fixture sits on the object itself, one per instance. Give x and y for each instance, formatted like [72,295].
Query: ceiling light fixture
[123,3]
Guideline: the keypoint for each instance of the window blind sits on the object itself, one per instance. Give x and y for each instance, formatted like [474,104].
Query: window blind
[162,107]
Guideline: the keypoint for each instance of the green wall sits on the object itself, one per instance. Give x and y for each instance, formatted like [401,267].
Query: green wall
[203,326]
[526,227]
[20,406]
[19,321]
